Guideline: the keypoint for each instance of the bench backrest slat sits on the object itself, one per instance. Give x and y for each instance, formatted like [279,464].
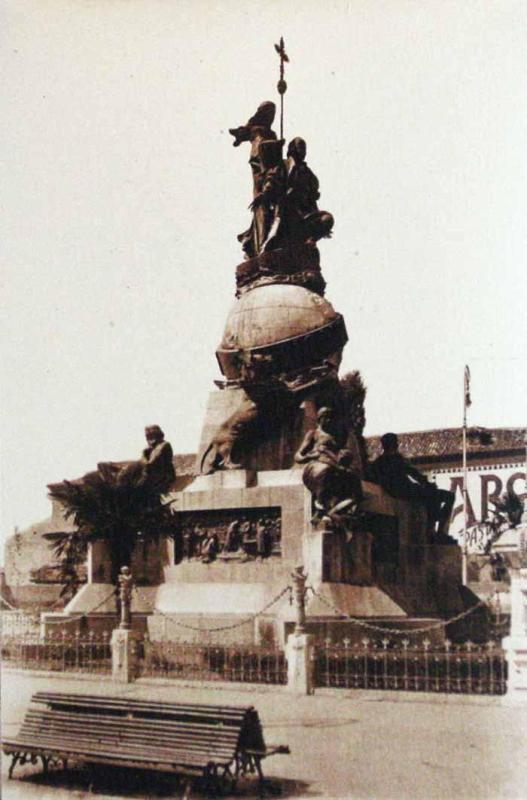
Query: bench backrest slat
[43,728]
[115,745]
[193,732]
[150,706]
[208,726]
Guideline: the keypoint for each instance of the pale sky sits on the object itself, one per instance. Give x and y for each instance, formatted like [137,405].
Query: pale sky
[122,196]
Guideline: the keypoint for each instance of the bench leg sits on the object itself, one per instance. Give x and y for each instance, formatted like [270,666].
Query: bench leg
[23,758]
[187,790]
[228,781]
[261,778]
[15,759]
[45,764]
[210,776]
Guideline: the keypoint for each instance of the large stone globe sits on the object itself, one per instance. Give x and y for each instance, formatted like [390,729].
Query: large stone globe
[277,329]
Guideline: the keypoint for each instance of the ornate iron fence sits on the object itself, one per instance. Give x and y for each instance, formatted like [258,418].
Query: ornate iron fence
[15,623]
[61,652]
[212,662]
[409,666]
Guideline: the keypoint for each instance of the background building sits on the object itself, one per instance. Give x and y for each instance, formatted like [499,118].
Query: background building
[496,460]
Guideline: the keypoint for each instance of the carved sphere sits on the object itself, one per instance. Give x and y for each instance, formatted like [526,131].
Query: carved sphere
[288,326]
[272,313]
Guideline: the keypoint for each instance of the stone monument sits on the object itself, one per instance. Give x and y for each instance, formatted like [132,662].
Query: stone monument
[279,480]
[278,474]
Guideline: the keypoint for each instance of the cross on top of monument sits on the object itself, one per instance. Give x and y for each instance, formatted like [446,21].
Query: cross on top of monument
[281,85]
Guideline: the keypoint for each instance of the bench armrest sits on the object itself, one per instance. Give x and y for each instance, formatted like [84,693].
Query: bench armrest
[269,751]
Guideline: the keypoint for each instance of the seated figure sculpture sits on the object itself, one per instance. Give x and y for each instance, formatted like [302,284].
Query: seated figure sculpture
[403,481]
[305,221]
[329,474]
[321,443]
[154,470]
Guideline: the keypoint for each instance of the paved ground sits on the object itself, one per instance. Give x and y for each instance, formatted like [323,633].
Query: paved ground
[344,744]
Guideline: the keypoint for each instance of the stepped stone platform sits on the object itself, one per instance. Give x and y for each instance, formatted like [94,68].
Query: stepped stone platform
[389,573]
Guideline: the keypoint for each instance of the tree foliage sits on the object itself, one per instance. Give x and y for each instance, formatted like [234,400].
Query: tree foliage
[354,392]
[104,511]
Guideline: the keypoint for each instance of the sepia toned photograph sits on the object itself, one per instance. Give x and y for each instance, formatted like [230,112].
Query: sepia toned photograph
[263,409]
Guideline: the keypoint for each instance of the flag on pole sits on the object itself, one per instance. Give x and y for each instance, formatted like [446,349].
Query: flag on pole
[468,401]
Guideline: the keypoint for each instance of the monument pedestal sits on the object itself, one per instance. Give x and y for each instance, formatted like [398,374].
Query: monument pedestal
[388,573]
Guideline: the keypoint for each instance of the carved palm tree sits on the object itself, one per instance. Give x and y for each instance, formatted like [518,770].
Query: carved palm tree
[510,505]
[354,391]
[71,550]
[101,511]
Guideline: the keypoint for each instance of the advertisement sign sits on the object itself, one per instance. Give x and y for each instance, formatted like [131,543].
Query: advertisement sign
[484,485]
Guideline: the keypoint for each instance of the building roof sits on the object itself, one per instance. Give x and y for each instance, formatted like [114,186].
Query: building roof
[432,446]
[446,443]
[184,463]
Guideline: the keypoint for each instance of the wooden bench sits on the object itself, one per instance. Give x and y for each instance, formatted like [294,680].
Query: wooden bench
[212,742]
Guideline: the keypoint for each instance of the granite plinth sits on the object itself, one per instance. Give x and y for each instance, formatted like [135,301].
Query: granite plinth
[389,572]
[93,609]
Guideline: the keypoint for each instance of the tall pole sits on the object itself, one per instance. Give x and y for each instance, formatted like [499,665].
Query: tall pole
[466,403]
[281,85]
[523,527]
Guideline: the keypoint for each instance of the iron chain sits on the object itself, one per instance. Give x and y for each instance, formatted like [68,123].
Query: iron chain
[398,631]
[232,625]
[80,616]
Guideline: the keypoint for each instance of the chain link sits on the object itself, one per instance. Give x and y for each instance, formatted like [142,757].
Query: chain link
[80,616]
[176,622]
[56,604]
[398,631]
[10,606]
[230,627]
[356,620]
[52,606]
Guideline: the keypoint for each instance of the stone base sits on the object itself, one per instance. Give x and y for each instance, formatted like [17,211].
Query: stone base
[389,573]
[94,610]
[299,651]
[124,655]
[217,628]
[516,652]
[359,601]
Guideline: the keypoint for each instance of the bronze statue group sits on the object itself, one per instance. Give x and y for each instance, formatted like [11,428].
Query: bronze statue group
[334,478]
[332,473]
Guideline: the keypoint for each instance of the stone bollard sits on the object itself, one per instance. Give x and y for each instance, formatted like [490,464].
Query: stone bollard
[299,646]
[515,645]
[124,640]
